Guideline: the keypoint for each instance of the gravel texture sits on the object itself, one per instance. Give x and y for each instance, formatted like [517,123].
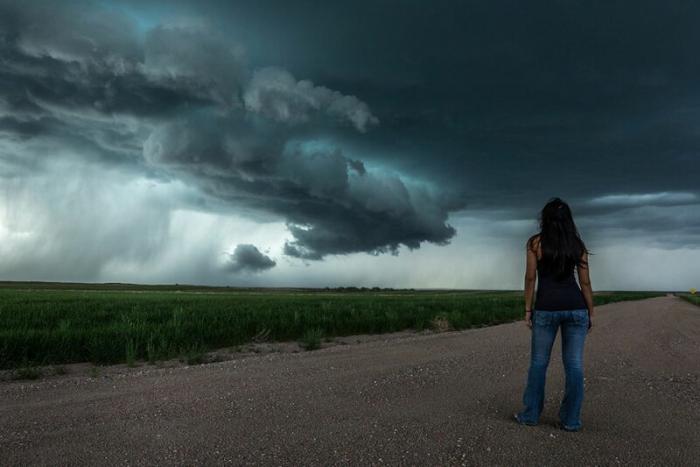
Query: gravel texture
[421,399]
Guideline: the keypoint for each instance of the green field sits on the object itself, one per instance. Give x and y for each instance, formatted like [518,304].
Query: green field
[41,325]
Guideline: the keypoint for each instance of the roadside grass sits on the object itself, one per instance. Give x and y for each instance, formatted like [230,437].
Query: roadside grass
[311,340]
[194,354]
[130,353]
[694,299]
[52,327]
[27,370]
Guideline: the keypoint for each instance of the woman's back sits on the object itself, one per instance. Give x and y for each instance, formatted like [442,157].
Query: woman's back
[554,294]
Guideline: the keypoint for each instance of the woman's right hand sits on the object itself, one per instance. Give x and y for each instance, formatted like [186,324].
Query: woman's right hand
[590,321]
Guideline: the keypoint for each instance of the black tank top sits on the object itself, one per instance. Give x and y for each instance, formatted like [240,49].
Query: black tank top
[555,295]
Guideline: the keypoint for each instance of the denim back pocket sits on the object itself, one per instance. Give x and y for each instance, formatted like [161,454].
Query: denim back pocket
[580,316]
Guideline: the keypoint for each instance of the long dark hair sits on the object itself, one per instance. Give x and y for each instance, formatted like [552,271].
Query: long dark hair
[561,243]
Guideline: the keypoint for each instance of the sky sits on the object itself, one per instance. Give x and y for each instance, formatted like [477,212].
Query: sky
[357,143]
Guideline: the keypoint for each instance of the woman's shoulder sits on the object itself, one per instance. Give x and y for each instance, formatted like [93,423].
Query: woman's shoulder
[533,241]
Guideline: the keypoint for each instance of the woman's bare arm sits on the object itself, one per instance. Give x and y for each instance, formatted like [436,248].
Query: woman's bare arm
[530,276]
[584,279]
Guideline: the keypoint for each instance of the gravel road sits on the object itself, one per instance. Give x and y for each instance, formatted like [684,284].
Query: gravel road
[435,399]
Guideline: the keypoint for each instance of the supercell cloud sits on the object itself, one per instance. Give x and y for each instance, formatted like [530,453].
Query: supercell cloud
[182,102]
[139,141]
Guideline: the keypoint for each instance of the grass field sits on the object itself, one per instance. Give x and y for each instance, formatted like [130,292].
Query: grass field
[41,325]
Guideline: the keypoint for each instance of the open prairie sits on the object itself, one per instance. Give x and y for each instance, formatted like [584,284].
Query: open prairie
[46,324]
[436,399]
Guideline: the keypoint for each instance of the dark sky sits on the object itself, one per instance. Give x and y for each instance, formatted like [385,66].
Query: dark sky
[280,142]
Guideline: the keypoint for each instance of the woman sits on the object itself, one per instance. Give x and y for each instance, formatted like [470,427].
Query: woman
[552,255]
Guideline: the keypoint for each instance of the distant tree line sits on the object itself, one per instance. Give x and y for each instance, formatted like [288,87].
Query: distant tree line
[365,289]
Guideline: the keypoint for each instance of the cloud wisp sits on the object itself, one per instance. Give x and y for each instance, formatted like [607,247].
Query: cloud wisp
[247,258]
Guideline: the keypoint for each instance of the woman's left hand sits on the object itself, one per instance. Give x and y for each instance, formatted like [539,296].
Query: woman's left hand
[528,319]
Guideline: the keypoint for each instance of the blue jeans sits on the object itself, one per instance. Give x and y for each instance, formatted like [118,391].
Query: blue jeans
[574,327]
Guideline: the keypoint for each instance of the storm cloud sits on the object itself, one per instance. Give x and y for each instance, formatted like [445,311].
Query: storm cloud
[337,132]
[186,98]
